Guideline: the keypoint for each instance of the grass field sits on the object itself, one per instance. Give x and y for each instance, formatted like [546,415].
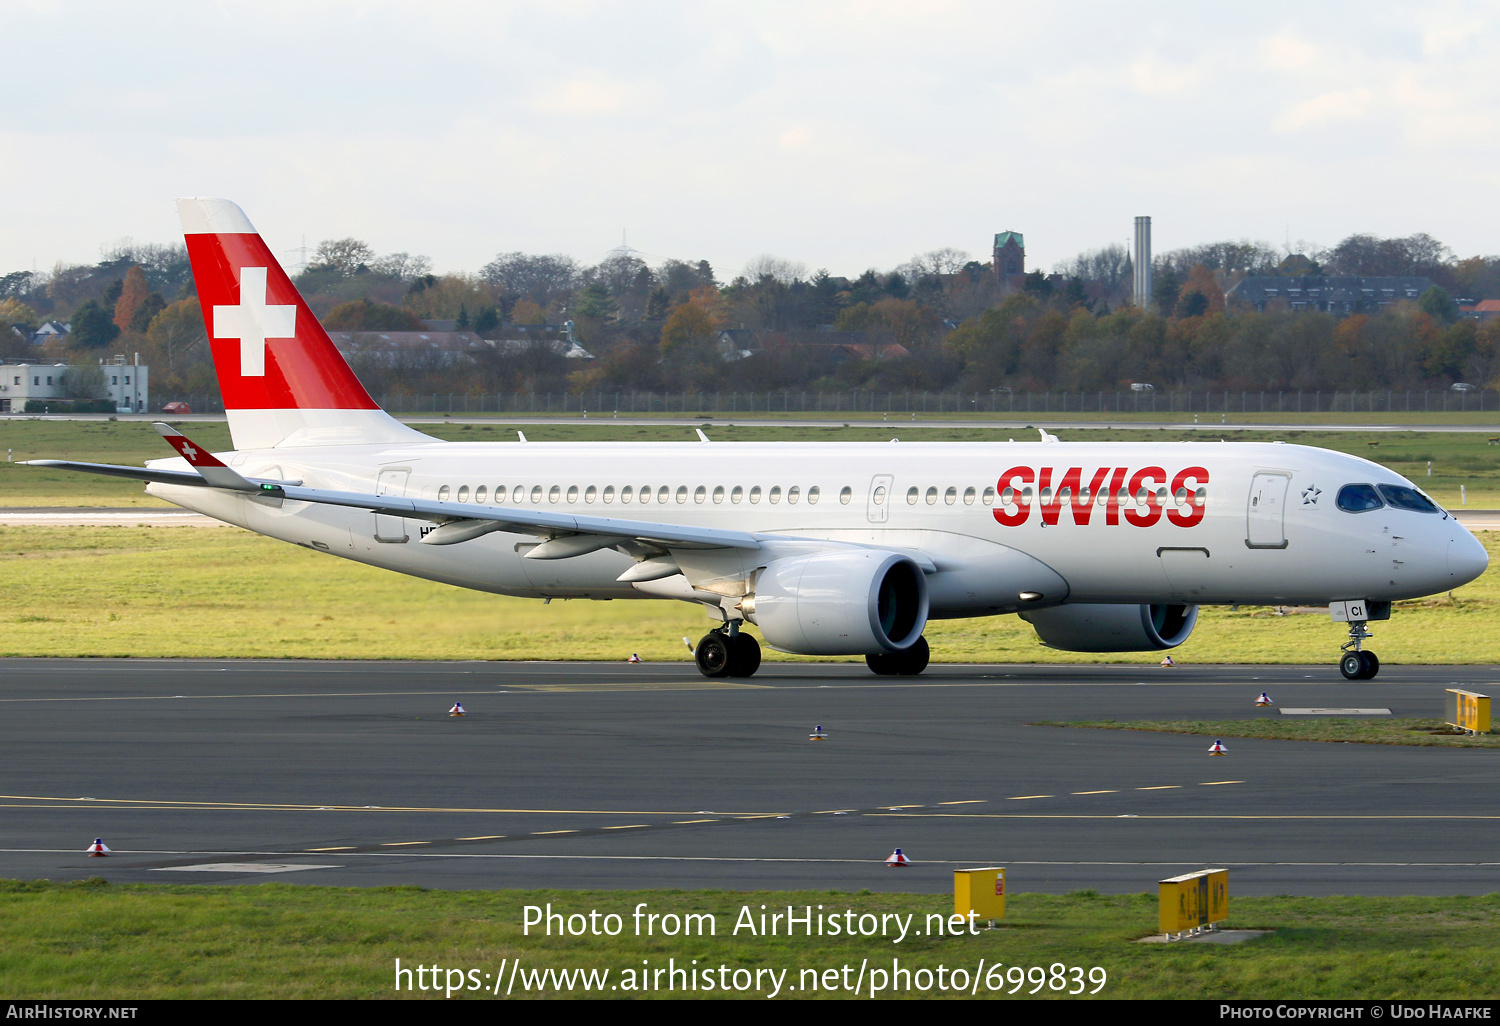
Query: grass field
[96,940]
[1457,458]
[1273,726]
[123,591]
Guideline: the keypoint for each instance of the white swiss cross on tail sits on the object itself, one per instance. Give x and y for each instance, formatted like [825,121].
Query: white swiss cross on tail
[252,322]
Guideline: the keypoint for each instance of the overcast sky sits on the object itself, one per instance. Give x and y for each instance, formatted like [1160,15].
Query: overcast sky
[842,135]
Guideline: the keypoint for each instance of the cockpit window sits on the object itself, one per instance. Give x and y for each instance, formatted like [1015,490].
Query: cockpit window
[1403,497]
[1358,498]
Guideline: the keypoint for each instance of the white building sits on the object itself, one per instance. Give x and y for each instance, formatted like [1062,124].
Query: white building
[22,382]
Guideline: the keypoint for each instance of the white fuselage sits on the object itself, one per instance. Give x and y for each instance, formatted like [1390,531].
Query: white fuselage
[1260,527]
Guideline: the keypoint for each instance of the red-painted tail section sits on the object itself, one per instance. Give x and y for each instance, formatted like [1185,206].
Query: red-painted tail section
[282,380]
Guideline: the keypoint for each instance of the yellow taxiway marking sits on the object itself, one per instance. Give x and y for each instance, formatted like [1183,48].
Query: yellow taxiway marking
[971,801]
[486,837]
[347,847]
[1024,797]
[1096,792]
[1216,783]
[1159,787]
[680,822]
[402,844]
[632,826]
[832,812]
[538,833]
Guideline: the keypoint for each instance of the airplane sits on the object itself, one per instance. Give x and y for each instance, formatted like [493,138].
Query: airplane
[827,548]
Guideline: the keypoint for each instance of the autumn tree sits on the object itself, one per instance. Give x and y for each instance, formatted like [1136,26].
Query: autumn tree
[365,315]
[133,293]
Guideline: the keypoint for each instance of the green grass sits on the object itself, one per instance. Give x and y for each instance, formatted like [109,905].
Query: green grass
[1458,459]
[132,591]
[93,940]
[1382,730]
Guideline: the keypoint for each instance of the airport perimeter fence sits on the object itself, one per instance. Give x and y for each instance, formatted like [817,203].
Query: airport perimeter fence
[719,404]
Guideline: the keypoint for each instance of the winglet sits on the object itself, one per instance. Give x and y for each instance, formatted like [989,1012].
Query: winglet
[1046,437]
[204,462]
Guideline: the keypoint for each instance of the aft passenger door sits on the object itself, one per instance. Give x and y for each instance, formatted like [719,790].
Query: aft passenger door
[879,508]
[1266,513]
[388,529]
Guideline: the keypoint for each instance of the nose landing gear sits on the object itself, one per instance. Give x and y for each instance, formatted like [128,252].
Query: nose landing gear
[1357,664]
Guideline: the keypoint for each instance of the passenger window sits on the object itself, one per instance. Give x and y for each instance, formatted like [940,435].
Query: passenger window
[1358,498]
[793,494]
[1403,497]
[1200,496]
[735,495]
[536,493]
[590,494]
[625,494]
[479,494]
[989,496]
[463,493]
[813,494]
[718,494]
[518,495]
[755,494]
[968,496]
[931,496]
[664,493]
[775,495]
[572,493]
[609,493]
[554,493]
[950,496]
[846,493]
[699,494]
[443,494]
[911,496]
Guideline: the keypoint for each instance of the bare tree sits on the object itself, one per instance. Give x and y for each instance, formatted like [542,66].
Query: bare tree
[784,272]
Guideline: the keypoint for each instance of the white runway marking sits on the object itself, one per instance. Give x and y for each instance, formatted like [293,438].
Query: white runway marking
[246,867]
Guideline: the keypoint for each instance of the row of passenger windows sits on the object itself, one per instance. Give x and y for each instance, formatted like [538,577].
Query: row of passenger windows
[518,494]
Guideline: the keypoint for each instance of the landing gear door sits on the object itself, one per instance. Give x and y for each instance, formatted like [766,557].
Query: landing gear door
[1266,513]
[879,508]
[391,530]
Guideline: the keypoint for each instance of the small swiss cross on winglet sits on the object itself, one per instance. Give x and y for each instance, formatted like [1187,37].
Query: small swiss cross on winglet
[204,462]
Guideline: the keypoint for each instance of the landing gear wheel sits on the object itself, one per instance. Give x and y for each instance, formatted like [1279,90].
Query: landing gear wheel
[713,655]
[907,663]
[744,655]
[1372,665]
[1352,666]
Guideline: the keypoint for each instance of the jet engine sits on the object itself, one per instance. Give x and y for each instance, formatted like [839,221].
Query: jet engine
[849,602]
[1108,627]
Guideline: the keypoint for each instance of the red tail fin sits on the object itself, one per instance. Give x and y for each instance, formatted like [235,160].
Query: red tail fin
[283,381]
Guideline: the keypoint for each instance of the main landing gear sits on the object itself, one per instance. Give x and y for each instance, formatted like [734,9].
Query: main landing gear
[1357,664]
[727,652]
[907,663]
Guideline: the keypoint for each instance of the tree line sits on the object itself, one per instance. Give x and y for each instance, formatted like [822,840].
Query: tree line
[659,327]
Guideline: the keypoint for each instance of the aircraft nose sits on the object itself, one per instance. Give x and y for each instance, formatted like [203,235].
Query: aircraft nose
[1467,558]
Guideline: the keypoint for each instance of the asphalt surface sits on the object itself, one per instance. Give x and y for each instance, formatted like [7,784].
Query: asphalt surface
[592,775]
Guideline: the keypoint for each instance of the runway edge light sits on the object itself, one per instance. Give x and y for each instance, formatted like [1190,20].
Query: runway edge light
[818,734]
[1217,748]
[98,849]
[897,860]
[980,891]
[1264,699]
[457,710]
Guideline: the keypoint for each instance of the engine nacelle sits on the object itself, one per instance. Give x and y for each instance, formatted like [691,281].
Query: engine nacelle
[1110,627]
[849,602]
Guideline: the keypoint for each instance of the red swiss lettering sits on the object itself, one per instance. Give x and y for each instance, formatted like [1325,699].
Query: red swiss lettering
[1152,513]
[1199,477]
[1013,478]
